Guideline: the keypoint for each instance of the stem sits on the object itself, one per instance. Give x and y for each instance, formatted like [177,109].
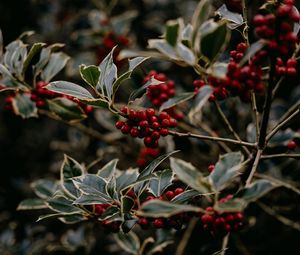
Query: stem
[254,167]
[280,218]
[227,123]
[89,131]
[280,155]
[290,111]
[281,124]
[185,239]
[224,244]
[278,182]
[267,107]
[256,114]
[245,17]
[211,138]
[275,90]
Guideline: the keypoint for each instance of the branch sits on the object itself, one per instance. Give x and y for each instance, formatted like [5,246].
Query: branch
[254,167]
[245,17]
[279,217]
[256,114]
[224,244]
[227,123]
[185,239]
[281,124]
[212,138]
[280,155]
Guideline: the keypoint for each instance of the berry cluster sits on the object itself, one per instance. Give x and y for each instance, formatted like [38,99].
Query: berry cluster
[277,28]
[97,210]
[221,224]
[290,68]
[158,94]
[146,124]
[146,155]
[239,81]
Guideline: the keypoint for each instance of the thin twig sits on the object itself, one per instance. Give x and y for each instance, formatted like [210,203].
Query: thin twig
[290,111]
[89,131]
[280,125]
[280,155]
[185,239]
[211,138]
[224,244]
[245,17]
[227,123]
[279,217]
[254,167]
[277,86]
[207,129]
[279,182]
[256,114]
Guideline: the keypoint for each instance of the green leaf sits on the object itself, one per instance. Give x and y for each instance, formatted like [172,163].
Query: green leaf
[90,74]
[226,169]
[214,40]
[173,30]
[126,204]
[61,204]
[111,188]
[66,109]
[148,170]
[55,215]
[201,99]
[35,49]
[234,20]
[282,137]
[128,242]
[72,219]
[188,174]
[56,63]
[133,63]
[202,13]
[139,92]
[185,196]
[24,106]
[128,225]
[162,182]
[108,74]
[44,188]
[32,204]
[219,70]
[111,214]
[183,97]
[163,47]
[157,208]
[70,168]
[233,205]
[108,170]
[91,184]
[90,200]
[126,178]
[43,60]
[186,54]
[70,89]
[251,51]
[256,190]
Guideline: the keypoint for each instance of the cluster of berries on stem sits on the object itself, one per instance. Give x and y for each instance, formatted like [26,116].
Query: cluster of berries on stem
[146,155]
[221,224]
[146,124]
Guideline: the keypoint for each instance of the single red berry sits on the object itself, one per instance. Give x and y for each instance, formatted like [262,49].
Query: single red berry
[98,209]
[291,71]
[165,123]
[291,62]
[211,168]
[150,112]
[259,20]
[40,103]
[88,109]
[207,219]
[238,216]
[119,124]
[170,194]
[9,99]
[155,135]
[142,115]
[124,109]
[160,77]
[291,145]
[164,115]
[155,125]
[178,191]
[227,227]
[132,114]
[143,222]
[125,129]
[144,124]
[134,132]
[150,197]
[172,123]
[229,218]
[164,131]
[158,223]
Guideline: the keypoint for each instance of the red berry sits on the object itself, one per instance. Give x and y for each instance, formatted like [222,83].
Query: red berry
[207,219]
[291,145]
[134,132]
[170,195]
[144,124]
[164,115]
[88,109]
[124,109]
[158,223]
[132,114]
[142,115]
[125,129]
[259,20]
[165,123]
[211,168]
[155,125]
[291,71]
[120,124]
[172,123]
[40,103]
[155,135]
[98,209]
[143,222]
[160,77]
[178,191]
[164,131]
[150,112]
[9,99]
[291,62]
[150,197]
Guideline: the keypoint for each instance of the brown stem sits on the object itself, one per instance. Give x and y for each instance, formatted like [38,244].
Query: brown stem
[254,167]
[280,155]
[211,138]
[256,114]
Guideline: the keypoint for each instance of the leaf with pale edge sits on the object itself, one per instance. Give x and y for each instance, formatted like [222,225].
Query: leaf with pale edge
[108,170]
[44,188]
[183,97]
[24,106]
[226,169]
[188,174]
[90,74]
[32,204]
[128,242]
[162,182]
[232,205]
[62,204]
[157,208]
